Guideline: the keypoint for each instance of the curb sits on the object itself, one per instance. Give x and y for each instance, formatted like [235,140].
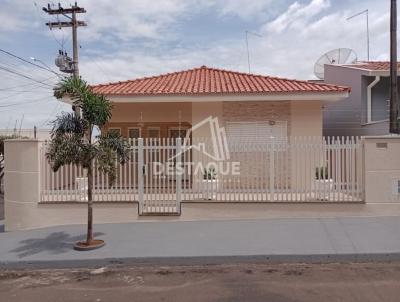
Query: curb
[201,260]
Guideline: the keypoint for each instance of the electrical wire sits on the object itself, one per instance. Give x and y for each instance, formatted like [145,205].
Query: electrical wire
[25,85]
[51,31]
[28,62]
[28,102]
[23,75]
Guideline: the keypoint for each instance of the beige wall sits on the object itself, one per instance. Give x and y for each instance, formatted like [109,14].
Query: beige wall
[151,112]
[306,118]
[382,169]
[148,115]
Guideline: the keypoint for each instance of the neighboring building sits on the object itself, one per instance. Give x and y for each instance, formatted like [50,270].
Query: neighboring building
[247,105]
[43,134]
[366,111]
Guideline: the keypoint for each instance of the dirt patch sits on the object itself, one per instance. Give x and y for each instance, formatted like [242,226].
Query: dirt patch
[240,282]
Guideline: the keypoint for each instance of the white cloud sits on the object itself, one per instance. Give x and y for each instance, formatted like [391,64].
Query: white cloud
[296,16]
[244,9]
[128,19]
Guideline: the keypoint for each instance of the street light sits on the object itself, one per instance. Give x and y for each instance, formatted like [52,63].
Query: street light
[47,67]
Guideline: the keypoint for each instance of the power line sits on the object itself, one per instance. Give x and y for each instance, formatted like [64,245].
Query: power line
[28,102]
[52,33]
[35,85]
[15,94]
[26,61]
[14,108]
[24,76]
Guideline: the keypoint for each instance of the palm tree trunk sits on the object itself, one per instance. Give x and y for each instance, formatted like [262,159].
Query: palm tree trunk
[90,206]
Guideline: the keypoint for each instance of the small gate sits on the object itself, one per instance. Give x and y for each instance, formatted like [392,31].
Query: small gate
[159,185]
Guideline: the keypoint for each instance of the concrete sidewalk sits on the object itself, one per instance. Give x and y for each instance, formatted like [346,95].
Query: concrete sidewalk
[314,240]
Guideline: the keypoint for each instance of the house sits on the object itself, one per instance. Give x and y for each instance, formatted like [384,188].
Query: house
[366,111]
[247,105]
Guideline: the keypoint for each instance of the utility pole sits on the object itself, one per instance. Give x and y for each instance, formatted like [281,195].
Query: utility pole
[394,109]
[69,13]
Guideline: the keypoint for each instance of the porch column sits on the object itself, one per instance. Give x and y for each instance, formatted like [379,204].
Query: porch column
[382,169]
[22,182]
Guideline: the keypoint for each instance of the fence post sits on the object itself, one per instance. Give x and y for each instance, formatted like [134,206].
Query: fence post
[272,171]
[140,175]
[178,171]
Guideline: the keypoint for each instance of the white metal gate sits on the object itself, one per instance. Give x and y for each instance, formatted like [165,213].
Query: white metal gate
[159,190]
[306,169]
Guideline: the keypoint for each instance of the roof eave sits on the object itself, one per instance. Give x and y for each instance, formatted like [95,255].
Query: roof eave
[298,96]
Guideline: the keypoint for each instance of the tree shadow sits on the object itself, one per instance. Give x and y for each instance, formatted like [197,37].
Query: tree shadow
[55,243]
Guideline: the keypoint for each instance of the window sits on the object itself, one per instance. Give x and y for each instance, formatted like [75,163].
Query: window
[175,132]
[258,131]
[114,130]
[153,132]
[134,132]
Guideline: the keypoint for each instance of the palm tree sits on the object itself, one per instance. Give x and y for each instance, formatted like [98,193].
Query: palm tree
[72,142]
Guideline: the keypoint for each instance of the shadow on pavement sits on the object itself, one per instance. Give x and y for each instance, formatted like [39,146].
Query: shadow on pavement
[56,243]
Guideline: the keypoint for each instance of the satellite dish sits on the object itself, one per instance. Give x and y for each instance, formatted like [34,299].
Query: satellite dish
[339,56]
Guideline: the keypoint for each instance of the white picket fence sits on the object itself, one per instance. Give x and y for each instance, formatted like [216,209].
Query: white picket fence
[301,169]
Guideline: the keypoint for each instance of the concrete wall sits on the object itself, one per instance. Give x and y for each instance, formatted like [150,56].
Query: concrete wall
[382,169]
[22,206]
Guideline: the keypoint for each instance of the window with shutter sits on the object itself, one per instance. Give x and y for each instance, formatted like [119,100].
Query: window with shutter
[257,131]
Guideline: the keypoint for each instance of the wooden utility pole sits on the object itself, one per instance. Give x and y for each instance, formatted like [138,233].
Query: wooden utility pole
[394,109]
[69,13]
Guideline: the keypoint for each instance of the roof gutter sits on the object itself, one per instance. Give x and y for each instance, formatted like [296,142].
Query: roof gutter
[316,96]
[369,98]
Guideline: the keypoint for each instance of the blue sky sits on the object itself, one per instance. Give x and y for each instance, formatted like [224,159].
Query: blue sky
[132,38]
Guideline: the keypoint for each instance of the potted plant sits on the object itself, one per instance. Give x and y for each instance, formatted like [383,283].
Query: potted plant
[323,184]
[210,184]
[72,142]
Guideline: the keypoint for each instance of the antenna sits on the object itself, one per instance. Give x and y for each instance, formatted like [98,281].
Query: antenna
[339,56]
[247,46]
[367,15]
[20,125]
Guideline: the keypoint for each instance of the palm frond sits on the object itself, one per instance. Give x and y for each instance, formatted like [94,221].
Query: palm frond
[64,150]
[112,149]
[68,123]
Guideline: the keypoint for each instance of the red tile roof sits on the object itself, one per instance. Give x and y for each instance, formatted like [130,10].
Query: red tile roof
[373,65]
[205,80]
